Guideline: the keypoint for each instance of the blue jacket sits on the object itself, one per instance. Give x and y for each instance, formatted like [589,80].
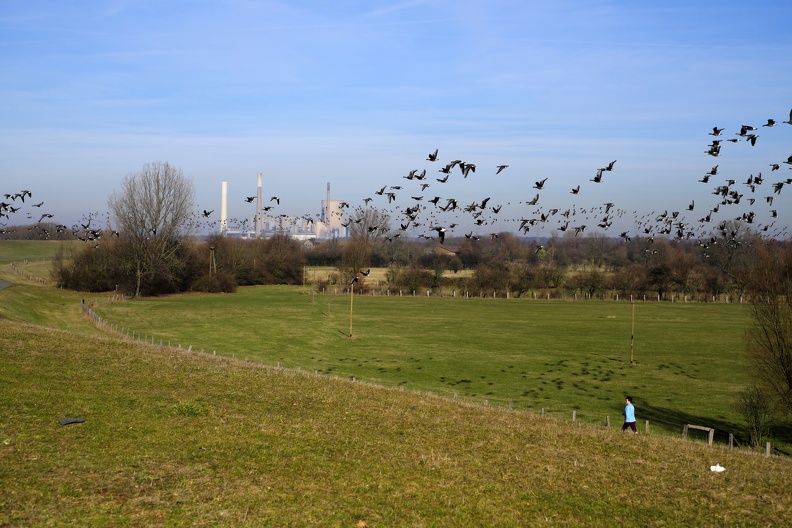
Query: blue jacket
[629,413]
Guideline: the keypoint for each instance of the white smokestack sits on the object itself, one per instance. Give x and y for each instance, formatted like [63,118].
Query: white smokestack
[327,205]
[258,208]
[224,208]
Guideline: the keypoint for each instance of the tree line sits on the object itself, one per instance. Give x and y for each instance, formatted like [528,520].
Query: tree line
[585,265]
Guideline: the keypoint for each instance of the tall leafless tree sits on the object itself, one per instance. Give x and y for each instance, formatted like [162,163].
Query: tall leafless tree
[153,213]
[367,227]
[369,223]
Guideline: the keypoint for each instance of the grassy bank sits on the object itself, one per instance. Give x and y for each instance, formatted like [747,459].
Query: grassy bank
[172,438]
[34,302]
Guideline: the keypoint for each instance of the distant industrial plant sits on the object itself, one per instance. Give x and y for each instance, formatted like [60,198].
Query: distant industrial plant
[327,224]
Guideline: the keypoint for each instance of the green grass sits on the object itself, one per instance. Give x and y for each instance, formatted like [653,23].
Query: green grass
[175,439]
[557,355]
[33,302]
[11,250]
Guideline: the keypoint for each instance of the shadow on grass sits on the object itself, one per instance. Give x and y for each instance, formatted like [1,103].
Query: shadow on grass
[674,420]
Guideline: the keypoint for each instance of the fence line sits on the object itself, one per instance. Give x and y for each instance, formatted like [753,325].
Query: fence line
[541,294]
[25,274]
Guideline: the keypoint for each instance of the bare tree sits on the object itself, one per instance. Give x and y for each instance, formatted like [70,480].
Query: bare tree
[356,256]
[365,227]
[369,223]
[153,213]
[769,339]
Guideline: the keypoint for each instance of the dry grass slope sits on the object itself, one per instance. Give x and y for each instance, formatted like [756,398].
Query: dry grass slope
[177,438]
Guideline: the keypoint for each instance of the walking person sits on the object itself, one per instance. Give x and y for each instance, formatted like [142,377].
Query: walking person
[629,416]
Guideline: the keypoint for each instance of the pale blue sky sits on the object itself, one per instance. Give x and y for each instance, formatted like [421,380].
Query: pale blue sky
[357,93]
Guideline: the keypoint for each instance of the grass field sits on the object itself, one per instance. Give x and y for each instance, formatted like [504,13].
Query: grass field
[33,302]
[173,438]
[557,355]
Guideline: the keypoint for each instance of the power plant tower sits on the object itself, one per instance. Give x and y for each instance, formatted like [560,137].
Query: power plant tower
[326,211]
[330,226]
[258,224]
[224,208]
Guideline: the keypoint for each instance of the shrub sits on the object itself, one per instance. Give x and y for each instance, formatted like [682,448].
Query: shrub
[756,407]
[219,282]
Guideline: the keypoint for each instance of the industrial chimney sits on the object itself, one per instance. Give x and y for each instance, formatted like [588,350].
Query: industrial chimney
[258,209]
[224,208]
[327,205]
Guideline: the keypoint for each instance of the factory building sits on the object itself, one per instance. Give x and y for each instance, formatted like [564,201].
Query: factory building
[328,224]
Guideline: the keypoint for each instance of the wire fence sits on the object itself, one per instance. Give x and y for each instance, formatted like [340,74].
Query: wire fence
[14,266]
[541,294]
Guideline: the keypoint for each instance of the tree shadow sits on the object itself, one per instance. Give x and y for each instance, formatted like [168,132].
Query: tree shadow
[675,420]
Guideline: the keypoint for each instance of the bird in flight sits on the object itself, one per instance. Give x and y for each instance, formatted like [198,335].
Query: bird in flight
[250,199]
[467,168]
[441,231]
[500,168]
[366,273]
[745,129]
[432,156]
[716,131]
[207,214]
[539,184]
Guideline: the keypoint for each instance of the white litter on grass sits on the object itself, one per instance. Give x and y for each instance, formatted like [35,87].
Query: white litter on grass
[717,468]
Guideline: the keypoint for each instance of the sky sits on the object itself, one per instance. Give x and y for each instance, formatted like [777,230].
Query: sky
[358,93]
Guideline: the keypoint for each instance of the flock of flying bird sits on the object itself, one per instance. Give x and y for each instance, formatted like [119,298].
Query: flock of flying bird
[429,215]
[419,209]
